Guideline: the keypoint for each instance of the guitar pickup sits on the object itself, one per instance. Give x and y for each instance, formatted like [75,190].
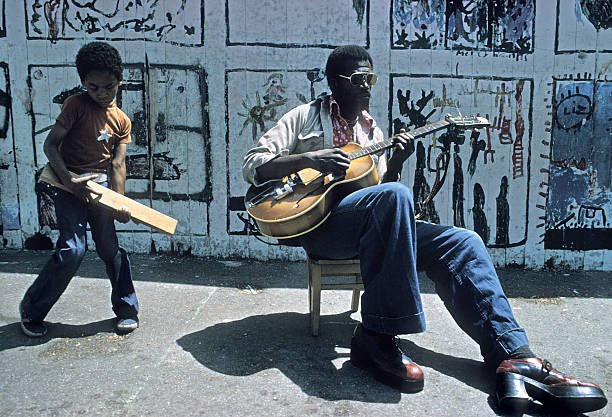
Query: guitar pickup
[280,192]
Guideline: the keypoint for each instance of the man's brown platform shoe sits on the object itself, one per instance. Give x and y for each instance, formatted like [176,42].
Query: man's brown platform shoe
[381,355]
[519,380]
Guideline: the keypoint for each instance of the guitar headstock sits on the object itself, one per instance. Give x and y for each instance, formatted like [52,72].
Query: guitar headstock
[467,122]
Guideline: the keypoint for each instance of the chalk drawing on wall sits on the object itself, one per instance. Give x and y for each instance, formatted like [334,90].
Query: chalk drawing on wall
[169,158]
[502,26]
[2,19]
[298,23]
[5,101]
[177,22]
[579,201]
[478,190]
[583,25]
[255,100]
[9,216]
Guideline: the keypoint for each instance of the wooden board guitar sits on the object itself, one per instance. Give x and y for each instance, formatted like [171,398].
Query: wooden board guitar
[113,200]
[302,201]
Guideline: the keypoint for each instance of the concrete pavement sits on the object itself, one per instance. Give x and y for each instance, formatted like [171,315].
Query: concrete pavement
[232,338]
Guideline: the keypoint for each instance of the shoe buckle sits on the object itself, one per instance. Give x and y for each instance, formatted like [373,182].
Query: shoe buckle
[547,366]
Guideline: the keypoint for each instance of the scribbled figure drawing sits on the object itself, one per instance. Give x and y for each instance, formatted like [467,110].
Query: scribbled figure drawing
[5,112]
[258,114]
[164,167]
[590,217]
[444,101]
[515,19]
[51,9]
[598,12]
[458,14]
[503,214]
[424,17]
[458,219]
[477,146]
[421,189]
[360,7]
[573,110]
[275,90]
[505,26]
[61,97]
[414,113]
[480,218]
[67,19]
[314,76]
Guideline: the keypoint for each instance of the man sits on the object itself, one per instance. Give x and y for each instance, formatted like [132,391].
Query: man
[377,225]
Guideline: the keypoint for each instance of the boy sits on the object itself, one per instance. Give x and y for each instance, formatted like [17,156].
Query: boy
[89,137]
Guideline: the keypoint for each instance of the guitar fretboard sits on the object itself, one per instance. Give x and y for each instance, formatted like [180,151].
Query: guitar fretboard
[416,133]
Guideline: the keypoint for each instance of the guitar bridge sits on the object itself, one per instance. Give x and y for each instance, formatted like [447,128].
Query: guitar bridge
[276,192]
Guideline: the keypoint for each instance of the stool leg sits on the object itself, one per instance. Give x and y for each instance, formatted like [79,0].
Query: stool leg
[315,296]
[356,293]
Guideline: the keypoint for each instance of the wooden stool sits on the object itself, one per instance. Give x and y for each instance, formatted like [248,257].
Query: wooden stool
[326,268]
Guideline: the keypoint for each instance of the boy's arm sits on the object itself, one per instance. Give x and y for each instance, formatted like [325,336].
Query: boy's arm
[118,169]
[117,180]
[51,149]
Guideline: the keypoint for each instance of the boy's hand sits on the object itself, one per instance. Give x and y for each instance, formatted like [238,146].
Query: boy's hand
[123,215]
[78,187]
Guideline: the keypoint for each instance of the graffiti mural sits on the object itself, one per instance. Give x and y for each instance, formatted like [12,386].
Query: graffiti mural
[255,100]
[169,158]
[579,201]
[200,96]
[292,23]
[480,190]
[180,23]
[583,25]
[501,26]
[9,217]
[2,19]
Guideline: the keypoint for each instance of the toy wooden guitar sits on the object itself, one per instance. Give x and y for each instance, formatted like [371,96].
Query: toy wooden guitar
[110,199]
[302,201]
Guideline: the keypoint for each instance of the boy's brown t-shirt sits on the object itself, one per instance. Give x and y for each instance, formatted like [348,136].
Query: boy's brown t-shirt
[93,132]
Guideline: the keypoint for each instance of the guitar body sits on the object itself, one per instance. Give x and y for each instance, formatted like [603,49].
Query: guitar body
[309,203]
[302,201]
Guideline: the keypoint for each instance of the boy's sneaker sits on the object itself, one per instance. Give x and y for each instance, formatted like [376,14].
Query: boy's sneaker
[29,327]
[126,325]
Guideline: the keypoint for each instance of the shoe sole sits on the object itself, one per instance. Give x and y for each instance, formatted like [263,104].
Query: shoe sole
[407,386]
[514,392]
[30,333]
[126,329]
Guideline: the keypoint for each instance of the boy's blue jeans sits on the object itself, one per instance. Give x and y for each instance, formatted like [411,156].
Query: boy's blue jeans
[377,225]
[72,218]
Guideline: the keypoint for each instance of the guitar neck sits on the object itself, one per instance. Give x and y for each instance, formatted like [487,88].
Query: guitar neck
[388,143]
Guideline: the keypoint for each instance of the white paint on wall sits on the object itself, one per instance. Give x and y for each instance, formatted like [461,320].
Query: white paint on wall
[204,79]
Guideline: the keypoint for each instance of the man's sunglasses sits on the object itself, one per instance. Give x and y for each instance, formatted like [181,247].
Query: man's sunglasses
[361,78]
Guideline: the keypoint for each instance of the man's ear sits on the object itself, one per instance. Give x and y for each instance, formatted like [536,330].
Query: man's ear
[333,84]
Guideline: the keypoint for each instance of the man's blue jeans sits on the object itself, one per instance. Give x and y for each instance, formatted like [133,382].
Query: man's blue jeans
[72,218]
[377,225]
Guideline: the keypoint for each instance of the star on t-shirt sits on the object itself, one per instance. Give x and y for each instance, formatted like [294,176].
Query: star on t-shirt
[104,135]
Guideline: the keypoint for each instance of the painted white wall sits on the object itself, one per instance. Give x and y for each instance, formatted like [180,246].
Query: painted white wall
[195,70]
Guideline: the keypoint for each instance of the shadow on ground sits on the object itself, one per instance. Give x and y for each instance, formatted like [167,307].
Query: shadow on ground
[11,335]
[319,366]
[518,283]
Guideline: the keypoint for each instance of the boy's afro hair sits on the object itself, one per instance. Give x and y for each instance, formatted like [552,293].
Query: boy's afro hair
[99,56]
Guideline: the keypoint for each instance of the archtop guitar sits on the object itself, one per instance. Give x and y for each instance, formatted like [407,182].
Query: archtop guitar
[301,201]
